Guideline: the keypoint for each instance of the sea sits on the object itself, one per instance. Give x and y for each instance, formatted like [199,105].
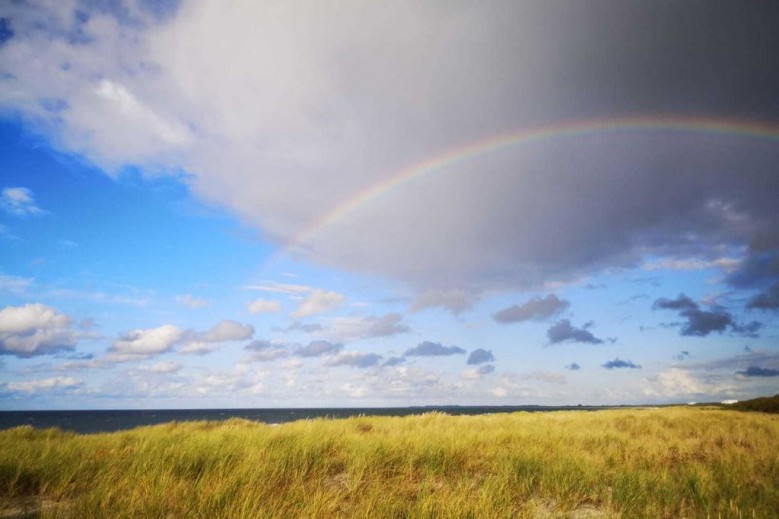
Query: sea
[87,422]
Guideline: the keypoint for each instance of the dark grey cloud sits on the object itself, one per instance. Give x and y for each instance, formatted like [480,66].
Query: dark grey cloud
[563,331]
[619,363]
[750,357]
[536,309]
[355,360]
[680,303]
[486,369]
[755,371]
[480,356]
[394,361]
[701,323]
[433,349]
[459,73]
[318,348]
[573,366]
[768,300]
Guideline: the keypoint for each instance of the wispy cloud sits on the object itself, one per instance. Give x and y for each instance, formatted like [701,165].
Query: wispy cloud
[19,201]
[191,301]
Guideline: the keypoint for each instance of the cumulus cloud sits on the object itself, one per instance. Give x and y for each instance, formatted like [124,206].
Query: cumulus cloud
[563,331]
[619,363]
[153,341]
[317,302]
[19,201]
[480,356]
[191,301]
[433,349]
[386,325]
[201,343]
[263,306]
[318,348]
[536,309]
[363,96]
[701,323]
[756,371]
[675,382]
[34,329]
[267,351]
[573,366]
[45,384]
[226,330]
[354,359]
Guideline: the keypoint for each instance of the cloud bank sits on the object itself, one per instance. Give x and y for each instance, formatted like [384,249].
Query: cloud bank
[327,105]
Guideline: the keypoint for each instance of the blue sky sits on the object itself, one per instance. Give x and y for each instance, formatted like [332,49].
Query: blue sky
[179,224]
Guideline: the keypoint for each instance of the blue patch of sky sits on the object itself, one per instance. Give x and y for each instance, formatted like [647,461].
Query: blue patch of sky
[133,231]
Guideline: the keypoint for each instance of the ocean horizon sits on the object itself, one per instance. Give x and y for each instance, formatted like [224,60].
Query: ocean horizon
[97,421]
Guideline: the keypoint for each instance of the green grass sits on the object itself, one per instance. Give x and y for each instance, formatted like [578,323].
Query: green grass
[632,463]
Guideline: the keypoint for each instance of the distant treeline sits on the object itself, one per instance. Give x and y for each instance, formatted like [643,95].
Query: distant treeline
[764,404]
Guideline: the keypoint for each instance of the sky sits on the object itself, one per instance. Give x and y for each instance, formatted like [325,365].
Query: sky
[209,204]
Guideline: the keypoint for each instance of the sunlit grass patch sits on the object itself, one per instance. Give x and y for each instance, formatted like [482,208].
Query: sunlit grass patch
[671,462]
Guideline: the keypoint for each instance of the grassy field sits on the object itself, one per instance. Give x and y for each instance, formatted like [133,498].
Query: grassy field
[668,462]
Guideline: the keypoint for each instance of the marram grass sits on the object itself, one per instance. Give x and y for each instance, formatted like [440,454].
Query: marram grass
[632,463]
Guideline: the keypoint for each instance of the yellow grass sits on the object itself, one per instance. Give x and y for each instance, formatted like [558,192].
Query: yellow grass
[670,462]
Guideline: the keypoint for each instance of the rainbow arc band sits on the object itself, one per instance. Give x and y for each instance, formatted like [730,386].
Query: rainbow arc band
[469,151]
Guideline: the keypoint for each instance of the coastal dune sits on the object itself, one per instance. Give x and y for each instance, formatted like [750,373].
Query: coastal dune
[640,462]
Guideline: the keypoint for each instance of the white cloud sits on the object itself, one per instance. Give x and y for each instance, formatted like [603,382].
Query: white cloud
[210,340]
[191,301]
[675,382]
[226,330]
[19,201]
[148,342]
[34,329]
[317,302]
[263,306]
[163,367]
[45,384]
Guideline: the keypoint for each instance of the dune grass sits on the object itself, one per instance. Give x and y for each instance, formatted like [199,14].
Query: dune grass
[670,462]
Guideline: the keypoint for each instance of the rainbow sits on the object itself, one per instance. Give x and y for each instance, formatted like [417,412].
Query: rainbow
[469,151]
